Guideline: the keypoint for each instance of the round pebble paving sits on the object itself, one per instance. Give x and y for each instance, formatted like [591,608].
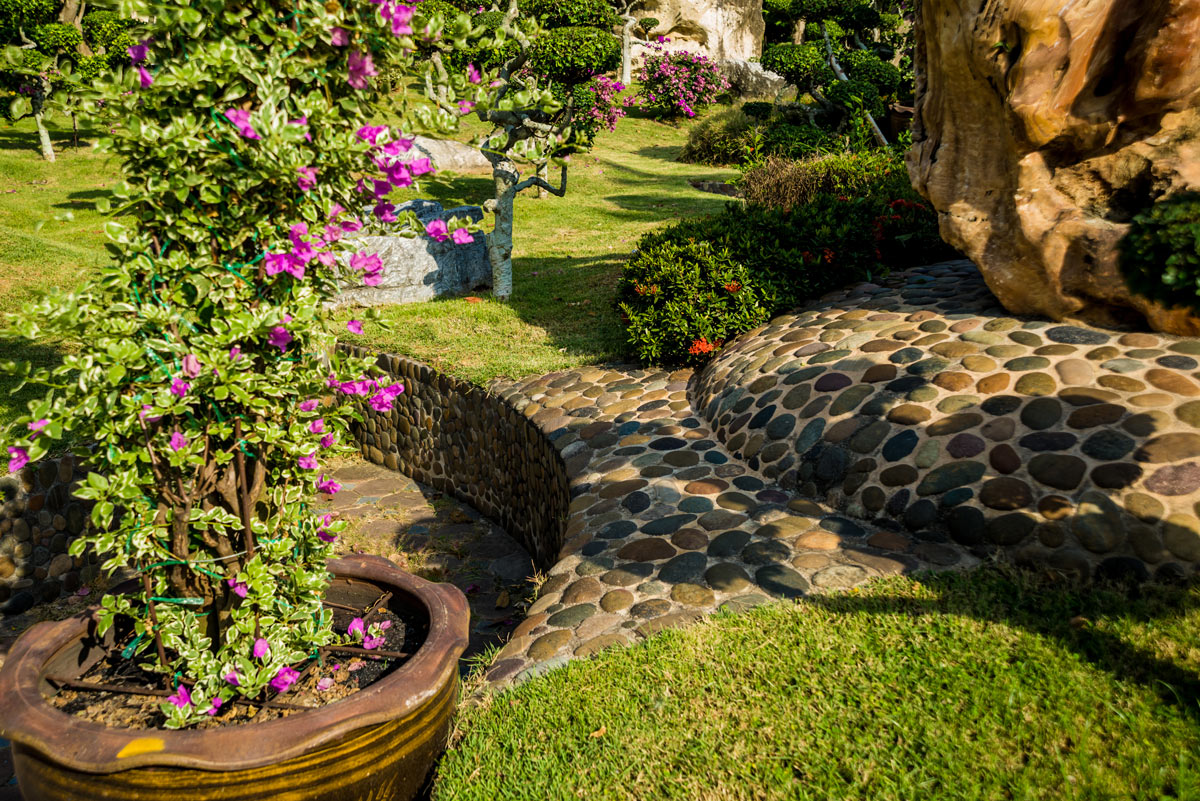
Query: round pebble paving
[910,424]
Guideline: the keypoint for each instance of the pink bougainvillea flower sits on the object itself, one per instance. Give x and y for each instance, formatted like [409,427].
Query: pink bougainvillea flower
[396,147]
[216,706]
[138,52]
[438,230]
[231,678]
[178,442]
[465,106]
[381,188]
[324,684]
[325,536]
[179,387]
[356,627]
[181,698]
[235,352]
[326,258]
[279,337]
[328,440]
[380,403]
[420,166]
[392,390]
[145,414]
[401,19]
[17,458]
[369,134]
[308,462]
[354,327]
[145,78]
[191,366]
[351,225]
[335,211]
[367,262]
[309,405]
[399,175]
[279,263]
[307,179]
[473,75]
[241,120]
[239,587]
[37,425]
[373,279]
[328,485]
[385,625]
[284,679]
[317,426]
[386,212]
[360,68]
[371,643]
[461,236]
[339,37]
[261,648]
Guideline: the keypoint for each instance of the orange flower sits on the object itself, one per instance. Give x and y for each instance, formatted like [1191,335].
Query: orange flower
[733,287]
[701,346]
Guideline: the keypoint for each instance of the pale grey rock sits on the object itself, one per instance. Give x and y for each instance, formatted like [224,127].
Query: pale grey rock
[448,155]
[750,79]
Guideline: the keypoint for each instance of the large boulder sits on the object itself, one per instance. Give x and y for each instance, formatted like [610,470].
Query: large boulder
[448,155]
[750,79]
[721,29]
[1042,127]
[420,268]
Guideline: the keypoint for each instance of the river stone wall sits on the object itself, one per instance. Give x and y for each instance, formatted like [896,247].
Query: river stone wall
[39,520]
[458,438]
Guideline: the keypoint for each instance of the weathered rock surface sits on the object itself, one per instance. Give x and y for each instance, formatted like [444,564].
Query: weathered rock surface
[749,79]
[421,268]
[449,155]
[730,29]
[1042,127]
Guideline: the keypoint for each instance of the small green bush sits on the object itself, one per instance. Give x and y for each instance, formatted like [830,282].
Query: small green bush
[117,55]
[648,24]
[571,13]
[802,65]
[719,138]
[24,14]
[782,137]
[55,37]
[101,29]
[785,183]
[483,56]
[853,93]
[682,300]
[757,109]
[572,56]
[863,65]
[1160,256]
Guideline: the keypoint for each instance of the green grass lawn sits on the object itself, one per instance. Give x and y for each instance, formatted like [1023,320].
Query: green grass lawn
[955,686]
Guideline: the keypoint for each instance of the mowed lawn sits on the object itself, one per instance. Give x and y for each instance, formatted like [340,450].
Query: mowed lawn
[567,258]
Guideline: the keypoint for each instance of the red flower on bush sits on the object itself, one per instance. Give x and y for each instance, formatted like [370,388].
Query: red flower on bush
[732,287]
[829,255]
[701,346]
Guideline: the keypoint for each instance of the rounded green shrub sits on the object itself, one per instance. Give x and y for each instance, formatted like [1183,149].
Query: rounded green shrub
[55,37]
[573,56]
[758,110]
[851,94]
[24,14]
[802,65]
[101,29]
[483,55]
[863,65]
[720,138]
[648,24]
[680,301]
[571,13]
[1160,256]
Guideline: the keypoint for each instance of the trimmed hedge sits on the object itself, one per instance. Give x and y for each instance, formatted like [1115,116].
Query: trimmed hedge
[571,13]
[572,56]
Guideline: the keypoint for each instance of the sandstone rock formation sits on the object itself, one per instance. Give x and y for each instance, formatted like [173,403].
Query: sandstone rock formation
[721,29]
[420,268]
[749,79]
[1042,127]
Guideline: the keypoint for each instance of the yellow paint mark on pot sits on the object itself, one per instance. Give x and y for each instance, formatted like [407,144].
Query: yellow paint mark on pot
[142,745]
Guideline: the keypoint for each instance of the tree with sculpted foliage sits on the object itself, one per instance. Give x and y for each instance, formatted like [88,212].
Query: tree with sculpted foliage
[203,377]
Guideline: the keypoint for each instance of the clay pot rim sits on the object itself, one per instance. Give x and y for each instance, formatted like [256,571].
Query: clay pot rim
[27,719]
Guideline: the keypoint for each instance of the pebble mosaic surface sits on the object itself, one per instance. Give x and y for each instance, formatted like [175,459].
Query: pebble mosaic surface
[888,428]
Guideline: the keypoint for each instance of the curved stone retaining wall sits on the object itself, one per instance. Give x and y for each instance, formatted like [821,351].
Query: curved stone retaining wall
[458,438]
[38,522]
[921,405]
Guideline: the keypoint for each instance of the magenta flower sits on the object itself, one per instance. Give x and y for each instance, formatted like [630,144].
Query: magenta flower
[235,352]
[178,442]
[239,587]
[361,67]
[393,390]
[421,166]
[317,426]
[465,106]
[280,263]
[473,75]
[284,679]
[368,262]
[241,120]
[325,536]
[396,147]
[381,188]
[337,209]
[461,236]
[231,678]
[145,414]
[373,279]
[145,78]
[37,425]
[369,134]
[351,225]
[356,627]
[308,462]
[181,698]
[138,52]
[309,405]
[438,230]
[328,440]
[354,327]
[401,19]
[179,387]
[216,705]
[371,643]
[380,403]
[307,179]
[326,258]
[399,175]
[191,366]
[261,648]
[328,485]
[338,37]
[17,458]
[279,337]
[324,684]
[386,212]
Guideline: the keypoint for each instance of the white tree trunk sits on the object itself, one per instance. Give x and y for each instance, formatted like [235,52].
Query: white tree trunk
[543,172]
[627,49]
[39,118]
[499,242]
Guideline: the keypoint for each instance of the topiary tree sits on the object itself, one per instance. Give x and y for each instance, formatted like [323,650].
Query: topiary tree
[532,104]
[203,374]
[570,13]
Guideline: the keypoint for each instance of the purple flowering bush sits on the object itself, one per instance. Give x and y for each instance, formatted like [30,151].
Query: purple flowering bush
[202,369]
[679,83]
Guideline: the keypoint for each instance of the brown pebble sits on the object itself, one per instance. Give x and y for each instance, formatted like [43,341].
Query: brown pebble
[989,385]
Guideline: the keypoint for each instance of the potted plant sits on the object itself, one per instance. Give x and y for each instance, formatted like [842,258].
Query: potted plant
[203,389]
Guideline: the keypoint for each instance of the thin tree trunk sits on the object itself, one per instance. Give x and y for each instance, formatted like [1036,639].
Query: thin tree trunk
[499,241]
[627,49]
[543,172]
[39,119]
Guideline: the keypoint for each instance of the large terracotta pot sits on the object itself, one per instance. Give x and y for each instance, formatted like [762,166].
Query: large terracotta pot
[377,744]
